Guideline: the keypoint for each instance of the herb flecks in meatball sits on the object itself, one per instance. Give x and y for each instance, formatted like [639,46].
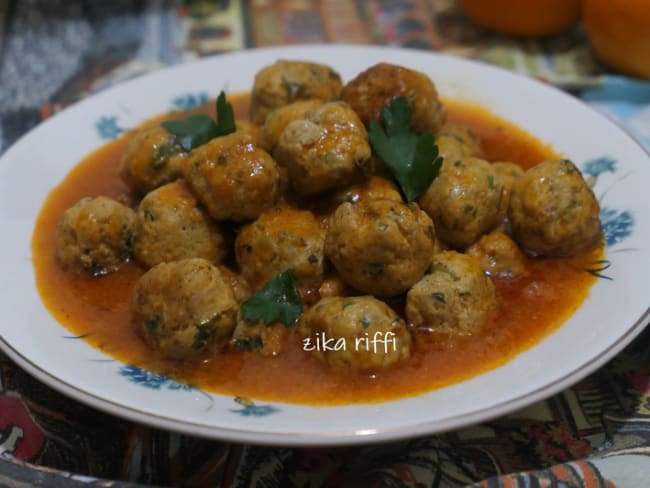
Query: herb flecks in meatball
[507,174]
[553,212]
[184,309]
[463,201]
[282,238]
[456,297]
[152,158]
[171,225]
[364,333]
[380,246]
[95,235]
[233,178]
[285,82]
[374,88]
[326,149]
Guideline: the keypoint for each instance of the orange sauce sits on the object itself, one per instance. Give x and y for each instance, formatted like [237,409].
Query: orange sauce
[98,308]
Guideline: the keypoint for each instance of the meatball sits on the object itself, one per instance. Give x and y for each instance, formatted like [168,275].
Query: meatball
[279,118]
[280,239]
[285,82]
[266,340]
[240,287]
[464,136]
[380,246]
[152,158]
[374,88]
[507,174]
[170,226]
[184,309]
[248,129]
[95,235]
[365,335]
[463,201]
[233,178]
[328,148]
[451,149]
[456,297]
[553,212]
[374,187]
[498,255]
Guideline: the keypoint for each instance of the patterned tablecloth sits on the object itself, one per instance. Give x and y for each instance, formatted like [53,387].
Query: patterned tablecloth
[54,52]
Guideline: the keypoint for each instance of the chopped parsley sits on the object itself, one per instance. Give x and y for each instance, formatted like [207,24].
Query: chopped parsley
[254,343]
[198,129]
[413,159]
[439,297]
[490,182]
[148,215]
[203,334]
[278,300]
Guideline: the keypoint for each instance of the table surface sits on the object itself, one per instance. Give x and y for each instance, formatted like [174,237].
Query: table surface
[55,52]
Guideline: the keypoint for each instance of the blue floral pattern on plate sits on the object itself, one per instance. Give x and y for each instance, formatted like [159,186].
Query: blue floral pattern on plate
[107,127]
[617,225]
[595,167]
[250,409]
[190,100]
[151,380]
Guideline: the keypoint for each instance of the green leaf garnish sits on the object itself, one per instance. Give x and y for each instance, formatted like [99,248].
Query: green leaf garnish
[225,116]
[193,131]
[413,159]
[199,129]
[278,300]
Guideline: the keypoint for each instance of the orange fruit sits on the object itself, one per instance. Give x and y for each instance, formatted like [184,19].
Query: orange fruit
[525,18]
[619,32]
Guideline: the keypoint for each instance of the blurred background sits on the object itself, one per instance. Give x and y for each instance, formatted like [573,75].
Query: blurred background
[53,52]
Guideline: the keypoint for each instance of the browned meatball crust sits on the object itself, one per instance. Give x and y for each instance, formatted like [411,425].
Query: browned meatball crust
[507,174]
[279,118]
[326,149]
[463,201]
[284,82]
[380,246]
[372,89]
[552,210]
[171,225]
[95,235]
[372,188]
[498,255]
[151,159]
[464,136]
[456,297]
[233,178]
[280,239]
[356,322]
[184,309]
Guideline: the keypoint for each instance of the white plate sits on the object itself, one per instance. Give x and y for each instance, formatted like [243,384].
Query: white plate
[614,313]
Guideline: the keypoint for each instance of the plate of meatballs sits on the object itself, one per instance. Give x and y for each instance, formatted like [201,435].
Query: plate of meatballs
[322,245]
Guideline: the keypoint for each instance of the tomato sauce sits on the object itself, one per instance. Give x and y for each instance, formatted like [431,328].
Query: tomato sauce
[98,308]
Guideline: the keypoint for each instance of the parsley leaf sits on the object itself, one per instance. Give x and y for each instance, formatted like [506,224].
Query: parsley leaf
[413,159]
[279,300]
[198,129]
[225,116]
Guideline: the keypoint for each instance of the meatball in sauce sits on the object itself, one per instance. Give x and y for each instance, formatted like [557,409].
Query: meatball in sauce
[186,310]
